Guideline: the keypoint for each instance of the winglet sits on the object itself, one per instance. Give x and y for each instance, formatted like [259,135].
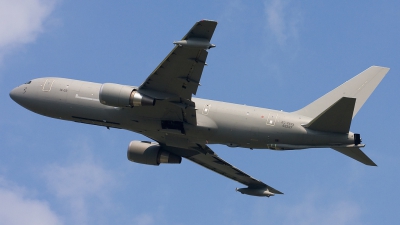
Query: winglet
[336,118]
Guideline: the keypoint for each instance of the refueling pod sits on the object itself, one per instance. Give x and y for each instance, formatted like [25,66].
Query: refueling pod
[263,191]
[195,43]
[150,153]
[122,95]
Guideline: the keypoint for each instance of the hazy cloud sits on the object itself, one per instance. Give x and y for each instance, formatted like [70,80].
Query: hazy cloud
[282,20]
[77,181]
[78,184]
[17,208]
[21,21]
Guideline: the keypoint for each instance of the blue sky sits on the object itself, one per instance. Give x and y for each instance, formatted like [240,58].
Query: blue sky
[276,54]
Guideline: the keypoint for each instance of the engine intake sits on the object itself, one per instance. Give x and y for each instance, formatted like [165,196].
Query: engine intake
[150,153]
[122,95]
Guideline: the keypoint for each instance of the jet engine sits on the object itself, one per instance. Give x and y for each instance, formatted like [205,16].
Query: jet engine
[150,153]
[122,95]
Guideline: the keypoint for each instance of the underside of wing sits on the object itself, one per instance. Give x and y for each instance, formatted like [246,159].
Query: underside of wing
[180,72]
[177,77]
[208,159]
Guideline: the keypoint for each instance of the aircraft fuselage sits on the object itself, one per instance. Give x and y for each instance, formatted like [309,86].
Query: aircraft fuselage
[217,122]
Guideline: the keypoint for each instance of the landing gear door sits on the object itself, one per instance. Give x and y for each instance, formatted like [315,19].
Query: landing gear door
[271,120]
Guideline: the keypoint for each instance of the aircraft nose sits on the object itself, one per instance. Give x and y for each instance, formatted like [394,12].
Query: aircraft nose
[13,94]
[16,94]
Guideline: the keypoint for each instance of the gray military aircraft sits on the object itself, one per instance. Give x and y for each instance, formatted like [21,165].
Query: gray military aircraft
[163,109]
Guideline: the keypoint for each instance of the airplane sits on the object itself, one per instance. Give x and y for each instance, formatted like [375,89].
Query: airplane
[180,126]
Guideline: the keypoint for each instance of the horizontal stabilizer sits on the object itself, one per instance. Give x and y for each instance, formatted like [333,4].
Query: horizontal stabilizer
[356,154]
[336,118]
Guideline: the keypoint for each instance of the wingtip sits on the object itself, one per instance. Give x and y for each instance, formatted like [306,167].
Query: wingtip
[381,67]
[207,20]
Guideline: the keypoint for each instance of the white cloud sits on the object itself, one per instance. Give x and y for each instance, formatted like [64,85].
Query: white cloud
[282,20]
[16,208]
[78,184]
[77,181]
[21,21]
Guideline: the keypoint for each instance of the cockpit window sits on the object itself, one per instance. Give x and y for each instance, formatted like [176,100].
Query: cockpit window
[28,82]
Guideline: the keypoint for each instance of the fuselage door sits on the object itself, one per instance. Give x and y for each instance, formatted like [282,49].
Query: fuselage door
[47,85]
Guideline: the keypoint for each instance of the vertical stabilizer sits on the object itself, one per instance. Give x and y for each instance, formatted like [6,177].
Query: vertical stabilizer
[359,87]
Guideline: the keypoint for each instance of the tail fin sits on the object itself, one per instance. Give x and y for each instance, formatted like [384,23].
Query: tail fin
[359,87]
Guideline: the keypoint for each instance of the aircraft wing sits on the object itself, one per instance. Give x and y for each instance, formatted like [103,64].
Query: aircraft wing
[178,75]
[205,157]
[173,83]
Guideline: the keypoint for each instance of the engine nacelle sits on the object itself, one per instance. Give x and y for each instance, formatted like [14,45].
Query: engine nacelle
[150,154]
[122,95]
